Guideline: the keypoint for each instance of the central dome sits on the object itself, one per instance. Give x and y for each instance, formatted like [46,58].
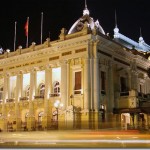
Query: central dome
[78,25]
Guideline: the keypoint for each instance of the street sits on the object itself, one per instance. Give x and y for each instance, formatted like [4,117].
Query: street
[76,139]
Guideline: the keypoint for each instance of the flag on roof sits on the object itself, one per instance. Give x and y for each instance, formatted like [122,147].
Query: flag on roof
[26,27]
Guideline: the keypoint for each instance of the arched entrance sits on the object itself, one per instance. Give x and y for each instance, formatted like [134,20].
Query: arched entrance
[40,119]
[125,120]
[10,121]
[24,116]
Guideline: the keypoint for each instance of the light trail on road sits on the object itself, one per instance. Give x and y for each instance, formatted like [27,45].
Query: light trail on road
[80,139]
[77,141]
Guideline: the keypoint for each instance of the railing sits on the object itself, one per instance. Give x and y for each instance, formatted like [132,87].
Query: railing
[126,93]
[142,95]
[10,100]
[54,94]
[23,98]
[39,97]
[77,91]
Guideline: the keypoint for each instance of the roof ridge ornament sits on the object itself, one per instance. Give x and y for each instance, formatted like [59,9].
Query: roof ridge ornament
[85,4]
[116,26]
[141,40]
[86,11]
[116,29]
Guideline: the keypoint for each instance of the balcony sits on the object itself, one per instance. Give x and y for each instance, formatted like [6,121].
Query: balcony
[133,99]
[54,95]
[126,93]
[39,97]
[10,100]
[128,99]
[143,96]
[23,98]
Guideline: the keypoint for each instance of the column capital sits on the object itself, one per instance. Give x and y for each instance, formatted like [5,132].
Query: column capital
[34,69]
[48,66]
[6,74]
[90,41]
[20,72]
[96,42]
[96,60]
[86,60]
[63,62]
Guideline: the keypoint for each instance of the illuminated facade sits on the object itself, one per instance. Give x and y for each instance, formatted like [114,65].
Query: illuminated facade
[83,80]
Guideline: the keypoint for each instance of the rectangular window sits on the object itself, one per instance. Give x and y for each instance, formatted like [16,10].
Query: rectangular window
[123,84]
[77,88]
[140,88]
[103,82]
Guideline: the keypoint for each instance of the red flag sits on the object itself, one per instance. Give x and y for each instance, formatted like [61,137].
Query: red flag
[26,28]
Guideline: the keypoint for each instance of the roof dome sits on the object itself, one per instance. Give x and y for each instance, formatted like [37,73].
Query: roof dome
[79,24]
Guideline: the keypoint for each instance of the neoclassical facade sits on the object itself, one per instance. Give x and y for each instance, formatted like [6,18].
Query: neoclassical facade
[83,80]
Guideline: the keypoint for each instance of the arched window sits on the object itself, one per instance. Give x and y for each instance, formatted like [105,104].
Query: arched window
[56,87]
[40,116]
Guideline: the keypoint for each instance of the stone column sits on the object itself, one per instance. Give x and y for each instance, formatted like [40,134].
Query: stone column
[91,100]
[48,82]
[31,117]
[135,80]
[8,87]
[17,96]
[5,96]
[136,120]
[111,87]
[63,88]
[110,99]
[68,83]
[18,87]
[86,91]
[32,84]
[146,84]
[86,84]
[46,123]
[96,86]
[6,83]
[21,84]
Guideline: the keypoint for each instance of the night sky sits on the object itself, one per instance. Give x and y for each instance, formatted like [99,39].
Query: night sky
[131,15]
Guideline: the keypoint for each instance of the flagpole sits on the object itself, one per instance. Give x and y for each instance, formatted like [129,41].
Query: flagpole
[41,26]
[27,31]
[15,37]
[49,35]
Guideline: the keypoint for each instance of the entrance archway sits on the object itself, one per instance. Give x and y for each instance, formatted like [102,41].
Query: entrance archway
[125,120]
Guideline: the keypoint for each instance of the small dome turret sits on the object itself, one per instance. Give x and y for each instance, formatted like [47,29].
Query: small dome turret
[79,24]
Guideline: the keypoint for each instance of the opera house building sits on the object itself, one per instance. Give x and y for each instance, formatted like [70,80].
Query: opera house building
[84,80]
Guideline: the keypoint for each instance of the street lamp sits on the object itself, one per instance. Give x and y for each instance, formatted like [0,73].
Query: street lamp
[102,110]
[57,105]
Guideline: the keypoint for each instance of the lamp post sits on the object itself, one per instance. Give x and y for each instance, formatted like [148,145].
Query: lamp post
[102,110]
[57,105]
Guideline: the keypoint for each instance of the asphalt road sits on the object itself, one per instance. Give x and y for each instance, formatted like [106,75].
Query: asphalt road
[76,139]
